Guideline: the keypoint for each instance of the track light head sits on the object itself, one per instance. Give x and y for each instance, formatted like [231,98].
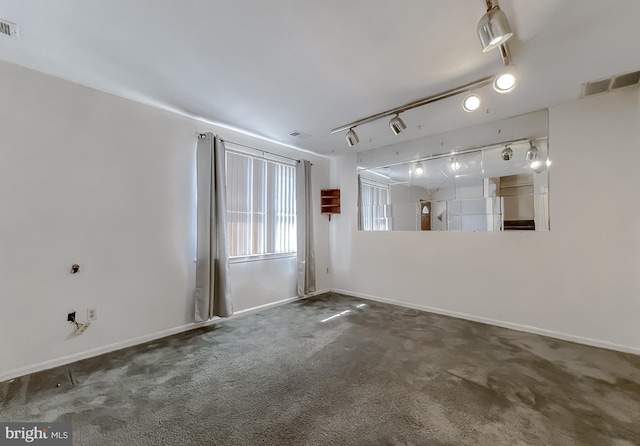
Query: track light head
[454,164]
[352,138]
[532,153]
[493,29]
[419,169]
[397,125]
[506,153]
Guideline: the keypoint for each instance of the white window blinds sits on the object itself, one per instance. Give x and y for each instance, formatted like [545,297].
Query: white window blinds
[261,208]
[376,210]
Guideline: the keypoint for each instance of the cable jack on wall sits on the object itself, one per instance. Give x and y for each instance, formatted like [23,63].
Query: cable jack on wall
[80,327]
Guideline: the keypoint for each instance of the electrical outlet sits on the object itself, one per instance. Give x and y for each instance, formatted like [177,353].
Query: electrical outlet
[92,314]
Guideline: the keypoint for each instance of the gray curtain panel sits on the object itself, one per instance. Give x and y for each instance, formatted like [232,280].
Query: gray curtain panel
[213,289]
[304,219]
[360,210]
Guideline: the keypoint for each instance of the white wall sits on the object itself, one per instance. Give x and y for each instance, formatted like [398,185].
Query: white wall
[580,281]
[90,178]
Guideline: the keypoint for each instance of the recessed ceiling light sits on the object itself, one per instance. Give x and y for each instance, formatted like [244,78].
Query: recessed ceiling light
[471,103]
[505,81]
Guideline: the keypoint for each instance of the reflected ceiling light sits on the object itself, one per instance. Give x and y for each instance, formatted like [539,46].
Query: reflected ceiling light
[493,28]
[419,170]
[505,81]
[537,166]
[532,153]
[397,125]
[425,210]
[471,103]
[352,138]
[506,153]
[455,164]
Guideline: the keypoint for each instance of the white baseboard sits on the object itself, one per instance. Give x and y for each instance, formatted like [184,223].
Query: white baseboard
[44,365]
[485,320]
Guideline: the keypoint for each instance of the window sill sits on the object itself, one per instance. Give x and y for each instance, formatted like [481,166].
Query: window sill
[257,258]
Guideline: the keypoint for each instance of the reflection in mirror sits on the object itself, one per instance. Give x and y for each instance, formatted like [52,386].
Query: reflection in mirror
[497,188]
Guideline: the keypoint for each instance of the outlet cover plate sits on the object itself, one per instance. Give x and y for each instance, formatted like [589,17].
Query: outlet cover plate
[92,314]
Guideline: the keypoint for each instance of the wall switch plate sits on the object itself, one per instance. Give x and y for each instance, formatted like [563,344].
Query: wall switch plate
[92,314]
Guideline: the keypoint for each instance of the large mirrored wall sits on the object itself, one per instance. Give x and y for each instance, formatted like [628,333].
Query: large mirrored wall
[499,187]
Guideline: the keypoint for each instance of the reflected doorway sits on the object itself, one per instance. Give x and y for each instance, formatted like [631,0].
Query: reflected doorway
[425,215]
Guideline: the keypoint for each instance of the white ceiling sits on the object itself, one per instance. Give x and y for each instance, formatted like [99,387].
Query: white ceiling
[270,67]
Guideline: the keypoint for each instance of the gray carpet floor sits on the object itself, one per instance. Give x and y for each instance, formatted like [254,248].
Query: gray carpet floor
[374,374]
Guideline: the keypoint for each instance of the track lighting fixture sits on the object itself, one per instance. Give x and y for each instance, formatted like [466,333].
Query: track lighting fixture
[493,28]
[454,165]
[419,169]
[532,153]
[397,125]
[506,153]
[471,103]
[352,138]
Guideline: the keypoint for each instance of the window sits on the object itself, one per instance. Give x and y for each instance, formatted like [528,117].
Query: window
[376,213]
[261,207]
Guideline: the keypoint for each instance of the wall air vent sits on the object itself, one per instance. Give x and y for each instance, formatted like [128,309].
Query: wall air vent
[8,29]
[299,134]
[611,83]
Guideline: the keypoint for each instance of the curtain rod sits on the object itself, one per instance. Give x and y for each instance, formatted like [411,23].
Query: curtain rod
[259,150]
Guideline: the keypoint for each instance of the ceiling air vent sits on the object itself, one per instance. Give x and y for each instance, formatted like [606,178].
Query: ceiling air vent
[8,29]
[611,83]
[299,134]
[625,80]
